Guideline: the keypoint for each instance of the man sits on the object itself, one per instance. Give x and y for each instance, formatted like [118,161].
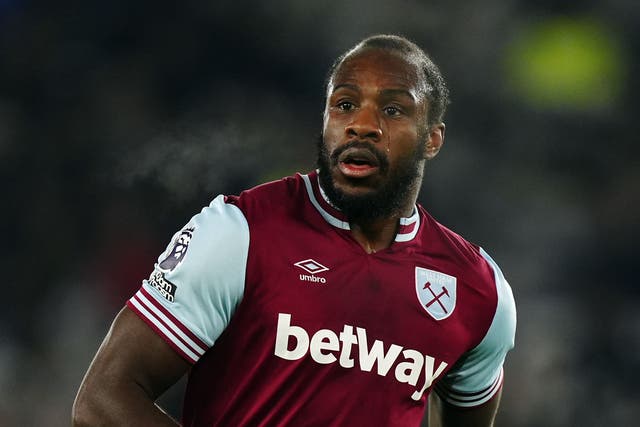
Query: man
[326,299]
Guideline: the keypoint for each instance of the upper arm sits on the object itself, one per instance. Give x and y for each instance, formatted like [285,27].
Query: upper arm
[172,320]
[198,282]
[472,388]
[443,414]
[131,369]
[132,352]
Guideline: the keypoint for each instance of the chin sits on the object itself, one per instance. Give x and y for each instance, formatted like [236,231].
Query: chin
[355,192]
[356,186]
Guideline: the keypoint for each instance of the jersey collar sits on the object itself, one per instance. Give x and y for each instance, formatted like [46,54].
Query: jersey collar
[406,231]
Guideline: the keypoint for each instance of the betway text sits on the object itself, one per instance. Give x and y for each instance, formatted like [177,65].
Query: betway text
[326,346]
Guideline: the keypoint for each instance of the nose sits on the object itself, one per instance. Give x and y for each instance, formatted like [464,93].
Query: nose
[365,125]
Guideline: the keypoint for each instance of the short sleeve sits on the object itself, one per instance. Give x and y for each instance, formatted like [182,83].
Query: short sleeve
[198,281]
[478,375]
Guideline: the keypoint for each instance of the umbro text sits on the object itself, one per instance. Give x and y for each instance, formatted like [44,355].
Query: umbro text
[326,346]
[315,279]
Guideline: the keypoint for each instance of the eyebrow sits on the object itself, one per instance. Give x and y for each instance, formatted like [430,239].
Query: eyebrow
[386,92]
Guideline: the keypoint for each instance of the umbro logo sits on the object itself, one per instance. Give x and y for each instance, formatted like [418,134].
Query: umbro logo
[313,267]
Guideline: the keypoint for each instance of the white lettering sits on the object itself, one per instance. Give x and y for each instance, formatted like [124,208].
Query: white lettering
[368,358]
[348,339]
[313,279]
[163,286]
[409,372]
[284,331]
[429,375]
[324,339]
[325,343]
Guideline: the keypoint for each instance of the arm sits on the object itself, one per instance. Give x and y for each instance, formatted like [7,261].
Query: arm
[442,414]
[132,368]
[180,311]
[469,395]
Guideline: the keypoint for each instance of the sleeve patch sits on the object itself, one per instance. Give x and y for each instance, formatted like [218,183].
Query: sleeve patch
[166,288]
[178,250]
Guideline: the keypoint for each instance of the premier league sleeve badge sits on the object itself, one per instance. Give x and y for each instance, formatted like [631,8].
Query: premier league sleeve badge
[178,250]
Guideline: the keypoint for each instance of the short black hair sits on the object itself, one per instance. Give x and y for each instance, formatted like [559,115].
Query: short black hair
[437,92]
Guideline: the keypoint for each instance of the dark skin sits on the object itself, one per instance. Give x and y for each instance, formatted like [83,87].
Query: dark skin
[132,368]
[375,96]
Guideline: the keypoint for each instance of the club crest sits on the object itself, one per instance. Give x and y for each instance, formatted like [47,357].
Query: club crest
[436,292]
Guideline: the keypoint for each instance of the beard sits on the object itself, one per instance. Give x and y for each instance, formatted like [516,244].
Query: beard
[388,200]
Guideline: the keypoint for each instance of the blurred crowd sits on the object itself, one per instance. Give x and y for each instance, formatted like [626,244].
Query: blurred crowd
[120,120]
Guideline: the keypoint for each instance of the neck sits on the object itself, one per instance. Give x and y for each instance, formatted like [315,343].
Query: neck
[377,234]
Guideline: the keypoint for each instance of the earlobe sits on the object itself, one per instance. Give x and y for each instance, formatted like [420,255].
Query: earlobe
[435,141]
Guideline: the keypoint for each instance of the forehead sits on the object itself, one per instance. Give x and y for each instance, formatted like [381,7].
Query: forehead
[383,68]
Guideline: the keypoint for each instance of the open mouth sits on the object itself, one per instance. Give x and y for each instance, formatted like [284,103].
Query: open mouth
[358,163]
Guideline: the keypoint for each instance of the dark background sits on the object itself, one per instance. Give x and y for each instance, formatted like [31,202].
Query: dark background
[119,120]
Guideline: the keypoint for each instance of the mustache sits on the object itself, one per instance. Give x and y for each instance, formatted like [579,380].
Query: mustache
[381,157]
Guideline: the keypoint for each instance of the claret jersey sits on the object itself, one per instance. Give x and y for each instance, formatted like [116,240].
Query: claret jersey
[287,321]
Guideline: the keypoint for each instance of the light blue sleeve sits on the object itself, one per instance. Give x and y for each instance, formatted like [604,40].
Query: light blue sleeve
[478,375]
[198,281]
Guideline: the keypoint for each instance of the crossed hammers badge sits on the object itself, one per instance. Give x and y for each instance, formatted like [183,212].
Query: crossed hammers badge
[436,292]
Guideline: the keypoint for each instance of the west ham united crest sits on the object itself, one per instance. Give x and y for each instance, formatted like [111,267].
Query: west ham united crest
[436,292]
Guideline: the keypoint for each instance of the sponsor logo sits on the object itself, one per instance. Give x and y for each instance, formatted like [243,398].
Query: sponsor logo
[326,346]
[313,267]
[436,292]
[178,250]
[165,287]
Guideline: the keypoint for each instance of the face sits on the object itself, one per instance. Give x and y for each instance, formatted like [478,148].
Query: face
[375,137]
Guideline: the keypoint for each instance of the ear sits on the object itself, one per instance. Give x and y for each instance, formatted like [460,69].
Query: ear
[434,141]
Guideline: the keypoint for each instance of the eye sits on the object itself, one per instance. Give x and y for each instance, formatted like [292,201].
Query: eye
[345,106]
[392,110]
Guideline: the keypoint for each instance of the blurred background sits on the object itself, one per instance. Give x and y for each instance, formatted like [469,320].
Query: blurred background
[119,120]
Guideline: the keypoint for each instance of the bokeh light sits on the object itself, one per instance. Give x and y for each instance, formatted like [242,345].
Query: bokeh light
[566,63]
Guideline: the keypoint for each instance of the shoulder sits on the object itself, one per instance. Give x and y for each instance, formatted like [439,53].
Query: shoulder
[269,194]
[210,229]
[478,374]
[198,281]
[275,198]
[478,271]
[448,244]
[503,327]
[212,241]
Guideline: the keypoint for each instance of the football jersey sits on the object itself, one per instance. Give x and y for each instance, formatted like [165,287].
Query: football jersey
[288,321]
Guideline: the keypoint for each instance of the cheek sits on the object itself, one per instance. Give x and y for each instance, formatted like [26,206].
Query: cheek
[404,145]
[332,131]
[330,120]
[405,136]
